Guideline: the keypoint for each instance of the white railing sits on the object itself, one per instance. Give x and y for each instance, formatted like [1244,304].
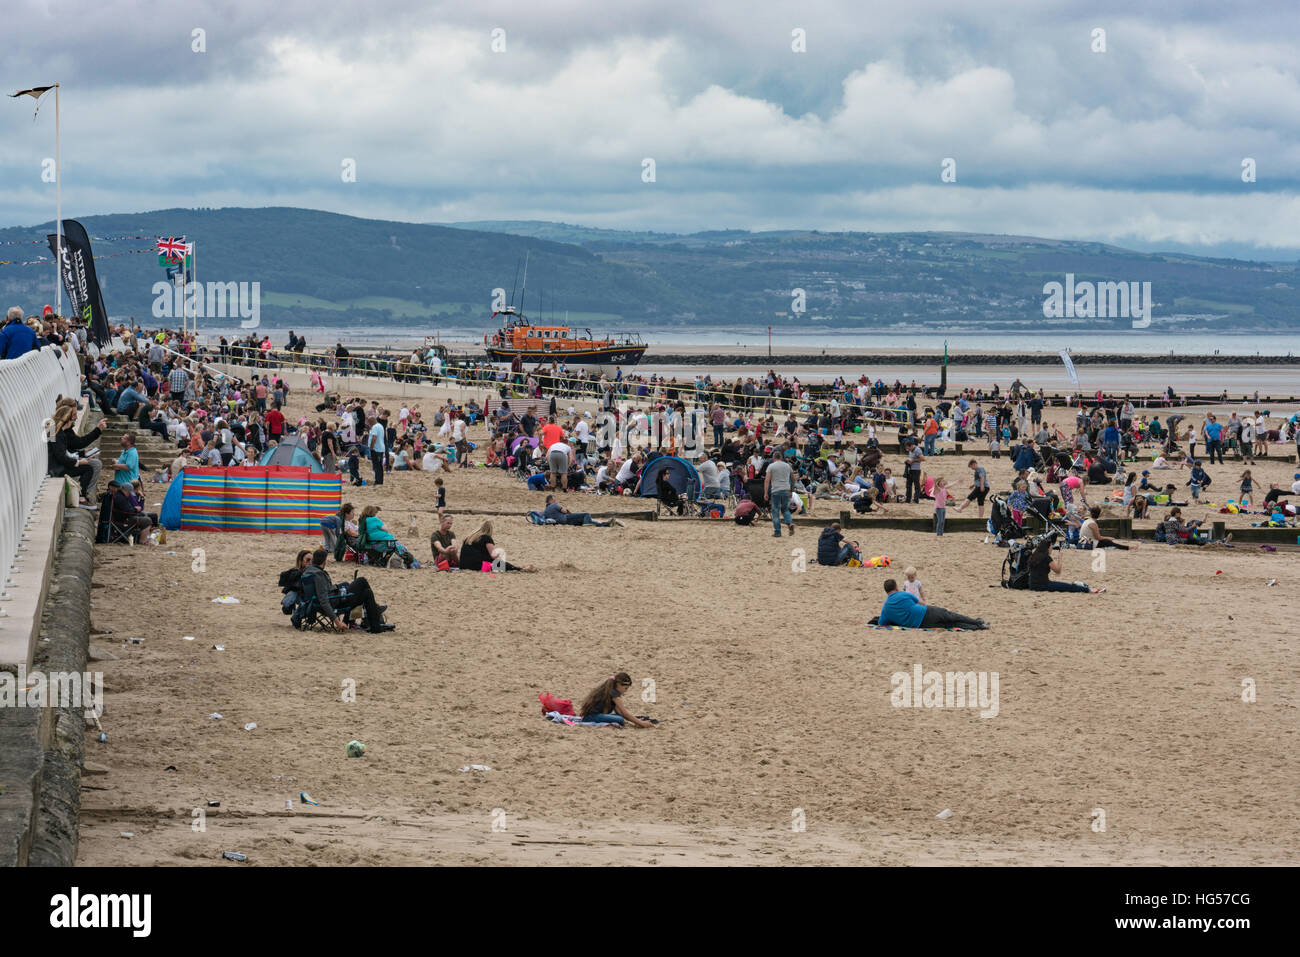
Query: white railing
[29,387]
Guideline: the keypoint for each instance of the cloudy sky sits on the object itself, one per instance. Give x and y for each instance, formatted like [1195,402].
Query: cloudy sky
[1141,145]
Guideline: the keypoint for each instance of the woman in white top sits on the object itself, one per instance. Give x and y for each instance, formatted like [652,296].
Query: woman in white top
[1130,491]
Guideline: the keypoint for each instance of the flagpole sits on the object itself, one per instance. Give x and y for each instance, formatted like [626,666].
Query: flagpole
[194,275]
[58,206]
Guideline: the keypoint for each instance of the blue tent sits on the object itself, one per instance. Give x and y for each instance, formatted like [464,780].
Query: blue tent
[169,516]
[681,474]
[291,450]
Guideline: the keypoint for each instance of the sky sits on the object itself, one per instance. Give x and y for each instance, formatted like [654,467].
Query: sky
[491,110]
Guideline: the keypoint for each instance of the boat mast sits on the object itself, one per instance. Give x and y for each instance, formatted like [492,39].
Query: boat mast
[524,290]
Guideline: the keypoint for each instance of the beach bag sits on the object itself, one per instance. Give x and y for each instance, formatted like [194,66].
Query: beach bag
[713,510]
[551,703]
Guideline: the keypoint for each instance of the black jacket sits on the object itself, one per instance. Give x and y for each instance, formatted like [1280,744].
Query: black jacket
[290,580]
[828,546]
[316,582]
[64,448]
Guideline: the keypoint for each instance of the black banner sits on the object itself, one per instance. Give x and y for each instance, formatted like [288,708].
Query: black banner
[79,279]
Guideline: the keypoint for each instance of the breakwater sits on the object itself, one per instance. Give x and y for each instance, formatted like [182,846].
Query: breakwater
[959,359]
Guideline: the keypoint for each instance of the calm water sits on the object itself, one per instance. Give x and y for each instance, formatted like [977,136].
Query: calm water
[1046,342]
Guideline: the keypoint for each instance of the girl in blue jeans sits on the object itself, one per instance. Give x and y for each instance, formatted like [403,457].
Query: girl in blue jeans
[604,704]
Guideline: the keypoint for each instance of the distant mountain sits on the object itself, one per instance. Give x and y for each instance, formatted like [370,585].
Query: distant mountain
[324,269]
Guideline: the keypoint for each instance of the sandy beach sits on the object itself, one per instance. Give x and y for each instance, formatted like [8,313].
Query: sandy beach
[774,697]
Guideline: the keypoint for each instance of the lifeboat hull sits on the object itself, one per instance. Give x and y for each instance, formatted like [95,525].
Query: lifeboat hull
[596,357]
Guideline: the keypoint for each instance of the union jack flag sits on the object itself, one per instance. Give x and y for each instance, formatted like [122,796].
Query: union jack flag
[173,248]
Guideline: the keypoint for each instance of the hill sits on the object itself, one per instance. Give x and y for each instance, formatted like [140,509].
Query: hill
[319,268]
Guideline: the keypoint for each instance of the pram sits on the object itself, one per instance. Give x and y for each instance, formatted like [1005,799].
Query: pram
[1003,525]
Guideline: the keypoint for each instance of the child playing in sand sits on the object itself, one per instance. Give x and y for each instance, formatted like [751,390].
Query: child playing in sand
[1247,488]
[940,505]
[604,704]
[911,585]
[442,494]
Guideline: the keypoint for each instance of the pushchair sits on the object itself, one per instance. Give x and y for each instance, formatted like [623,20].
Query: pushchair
[1001,522]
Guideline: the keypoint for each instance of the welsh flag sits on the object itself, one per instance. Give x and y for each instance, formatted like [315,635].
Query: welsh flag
[172,251]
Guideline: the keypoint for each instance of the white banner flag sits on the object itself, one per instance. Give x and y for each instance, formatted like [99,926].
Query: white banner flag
[1069,366]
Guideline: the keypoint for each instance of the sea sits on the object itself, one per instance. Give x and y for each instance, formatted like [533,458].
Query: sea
[1050,373]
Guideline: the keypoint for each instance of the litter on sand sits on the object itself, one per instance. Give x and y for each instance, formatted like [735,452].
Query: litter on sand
[944,814]
[215,716]
[305,798]
[225,600]
[475,767]
[250,726]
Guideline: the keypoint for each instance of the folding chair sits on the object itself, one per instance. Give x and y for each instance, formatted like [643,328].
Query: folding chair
[309,616]
[108,531]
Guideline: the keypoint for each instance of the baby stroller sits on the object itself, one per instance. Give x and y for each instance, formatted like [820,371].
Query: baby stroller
[1001,523]
[1015,567]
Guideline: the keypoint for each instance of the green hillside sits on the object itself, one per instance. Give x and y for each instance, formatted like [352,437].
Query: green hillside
[318,268]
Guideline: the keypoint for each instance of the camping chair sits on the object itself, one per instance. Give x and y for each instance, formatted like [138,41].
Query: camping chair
[309,616]
[688,498]
[108,531]
[374,553]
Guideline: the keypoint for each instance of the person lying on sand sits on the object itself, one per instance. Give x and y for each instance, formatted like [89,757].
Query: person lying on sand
[555,512]
[903,608]
[605,703]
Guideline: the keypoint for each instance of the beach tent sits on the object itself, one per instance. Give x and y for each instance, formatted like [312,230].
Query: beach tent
[251,499]
[681,474]
[292,451]
[169,516]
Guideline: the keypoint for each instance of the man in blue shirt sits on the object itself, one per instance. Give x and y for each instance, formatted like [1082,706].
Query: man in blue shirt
[1110,441]
[17,338]
[127,468]
[376,440]
[1213,438]
[904,608]
[128,400]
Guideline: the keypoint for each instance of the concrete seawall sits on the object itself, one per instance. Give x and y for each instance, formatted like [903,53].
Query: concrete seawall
[42,749]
